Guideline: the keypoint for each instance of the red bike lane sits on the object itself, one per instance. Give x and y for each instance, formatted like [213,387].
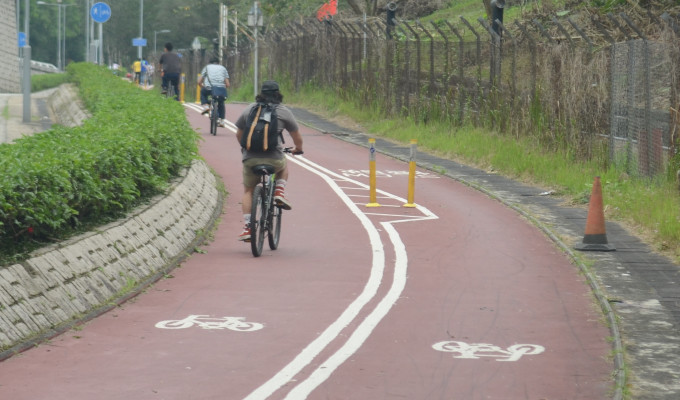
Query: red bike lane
[459,298]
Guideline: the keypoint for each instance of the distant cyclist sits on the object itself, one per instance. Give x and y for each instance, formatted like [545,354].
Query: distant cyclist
[214,81]
[171,67]
[269,94]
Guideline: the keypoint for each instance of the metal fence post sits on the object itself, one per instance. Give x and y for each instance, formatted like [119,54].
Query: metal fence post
[418,59]
[478,93]
[432,87]
[461,73]
[612,106]
[630,94]
[406,76]
[649,165]
[543,31]
[513,65]
[532,51]
[446,49]
[564,32]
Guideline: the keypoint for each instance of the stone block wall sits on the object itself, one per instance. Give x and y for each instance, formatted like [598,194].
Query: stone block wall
[10,79]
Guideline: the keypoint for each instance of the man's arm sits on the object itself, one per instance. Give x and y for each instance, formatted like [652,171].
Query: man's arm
[239,135]
[297,140]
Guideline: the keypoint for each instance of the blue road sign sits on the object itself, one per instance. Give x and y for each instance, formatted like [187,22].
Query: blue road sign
[100,12]
[137,42]
[22,39]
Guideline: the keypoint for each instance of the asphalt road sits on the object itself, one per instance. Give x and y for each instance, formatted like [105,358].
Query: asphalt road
[458,298]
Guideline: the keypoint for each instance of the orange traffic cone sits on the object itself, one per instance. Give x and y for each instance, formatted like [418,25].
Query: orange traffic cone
[595,238]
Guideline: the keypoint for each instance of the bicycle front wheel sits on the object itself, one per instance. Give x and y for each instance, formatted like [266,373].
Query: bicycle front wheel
[257,221]
[274,227]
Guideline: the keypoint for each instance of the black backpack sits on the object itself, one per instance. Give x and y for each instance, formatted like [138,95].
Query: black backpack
[262,131]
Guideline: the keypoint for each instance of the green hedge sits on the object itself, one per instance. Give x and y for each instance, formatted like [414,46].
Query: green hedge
[47,81]
[56,182]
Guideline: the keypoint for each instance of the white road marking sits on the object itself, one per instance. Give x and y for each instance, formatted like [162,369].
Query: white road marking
[363,331]
[198,109]
[208,322]
[479,350]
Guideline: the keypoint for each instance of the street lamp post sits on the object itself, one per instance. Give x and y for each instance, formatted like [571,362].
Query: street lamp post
[141,27]
[255,21]
[61,31]
[154,38]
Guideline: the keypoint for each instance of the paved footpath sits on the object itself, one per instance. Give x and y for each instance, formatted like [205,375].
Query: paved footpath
[458,298]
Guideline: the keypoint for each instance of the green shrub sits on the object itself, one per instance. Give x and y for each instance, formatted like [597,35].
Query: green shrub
[58,181]
[47,81]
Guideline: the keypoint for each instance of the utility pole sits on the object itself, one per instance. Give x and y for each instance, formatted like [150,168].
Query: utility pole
[255,21]
[141,27]
[224,30]
[27,66]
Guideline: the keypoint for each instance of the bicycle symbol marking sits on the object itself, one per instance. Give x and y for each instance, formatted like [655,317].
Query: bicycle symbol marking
[478,350]
[208,322]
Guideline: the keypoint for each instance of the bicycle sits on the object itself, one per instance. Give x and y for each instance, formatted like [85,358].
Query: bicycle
[171,90]
[214,114]
[265,216]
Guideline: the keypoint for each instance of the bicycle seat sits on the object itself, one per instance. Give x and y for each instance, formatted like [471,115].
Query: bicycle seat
[263,169]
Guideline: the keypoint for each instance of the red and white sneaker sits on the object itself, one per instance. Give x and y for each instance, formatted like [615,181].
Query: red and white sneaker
[245,235]
[281,200]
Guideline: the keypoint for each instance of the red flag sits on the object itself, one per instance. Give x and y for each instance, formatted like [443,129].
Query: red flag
[327,9]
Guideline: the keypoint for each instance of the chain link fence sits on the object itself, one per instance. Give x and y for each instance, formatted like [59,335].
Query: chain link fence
[600,89]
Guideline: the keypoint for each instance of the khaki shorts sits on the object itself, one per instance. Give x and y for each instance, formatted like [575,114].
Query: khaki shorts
[250,179]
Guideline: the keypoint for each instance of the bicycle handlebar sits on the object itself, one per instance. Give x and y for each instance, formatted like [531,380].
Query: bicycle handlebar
[290,151]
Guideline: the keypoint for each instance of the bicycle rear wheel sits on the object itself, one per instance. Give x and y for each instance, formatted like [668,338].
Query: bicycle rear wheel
[213,119]
[257,221]
[172,90]
[274,227]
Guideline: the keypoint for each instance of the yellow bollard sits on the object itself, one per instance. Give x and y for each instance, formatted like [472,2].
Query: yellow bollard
[198,90]
[411,175]
[182,83]
[371,179]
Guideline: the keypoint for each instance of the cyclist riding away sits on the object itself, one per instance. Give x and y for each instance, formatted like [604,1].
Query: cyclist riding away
[268,94]
[171,68]
[214,81]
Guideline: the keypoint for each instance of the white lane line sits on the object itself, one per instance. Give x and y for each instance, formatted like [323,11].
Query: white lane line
[364,330]
[199,109]
[411,217]
[331,333]
[312,350]
[427,214]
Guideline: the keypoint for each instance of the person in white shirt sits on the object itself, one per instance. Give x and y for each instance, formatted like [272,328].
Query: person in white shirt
[214,81]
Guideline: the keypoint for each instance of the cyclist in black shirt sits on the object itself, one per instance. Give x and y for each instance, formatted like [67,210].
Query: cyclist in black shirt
[171,68]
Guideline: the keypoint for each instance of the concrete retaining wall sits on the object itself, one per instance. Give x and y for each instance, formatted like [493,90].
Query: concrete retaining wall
[75,280]
[66,107]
